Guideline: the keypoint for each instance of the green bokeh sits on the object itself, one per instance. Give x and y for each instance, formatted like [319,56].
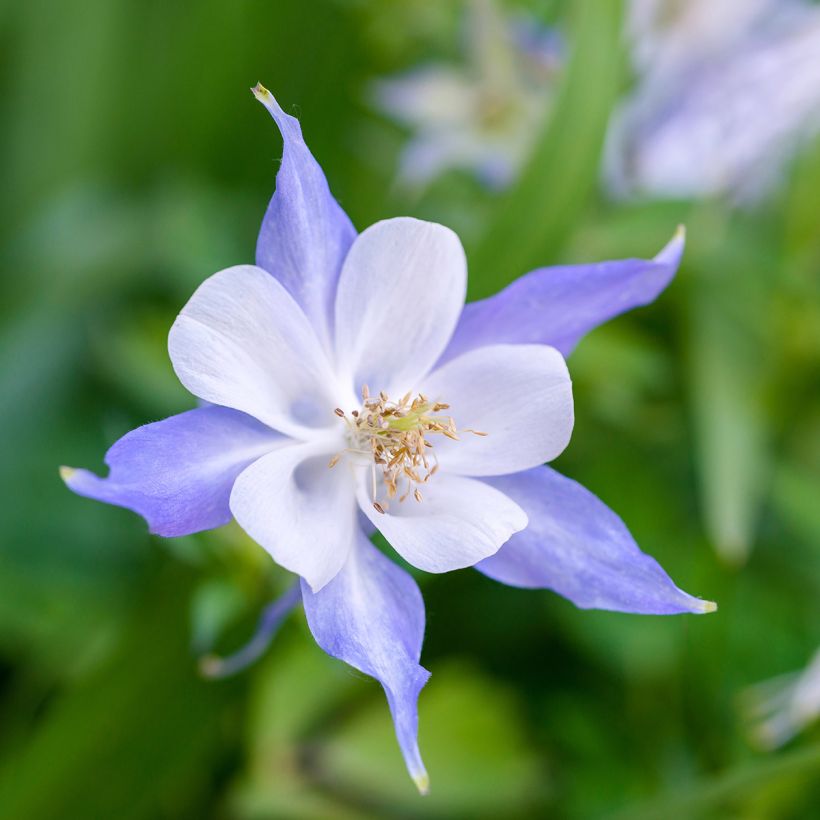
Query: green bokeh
[135,163]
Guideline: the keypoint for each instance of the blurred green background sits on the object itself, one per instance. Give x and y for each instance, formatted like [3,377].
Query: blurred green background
[135,163]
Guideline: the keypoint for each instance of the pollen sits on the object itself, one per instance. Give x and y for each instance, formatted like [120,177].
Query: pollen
[395,436]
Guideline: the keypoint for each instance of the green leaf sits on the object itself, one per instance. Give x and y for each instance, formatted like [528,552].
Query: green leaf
[738,787]
[536,216]
[144,719]
[296,690]
[727,369]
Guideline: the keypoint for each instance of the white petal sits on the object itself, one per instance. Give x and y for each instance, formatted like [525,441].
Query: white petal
[301,512]
[400,294]
[243,342]
[519,395]
[459,522]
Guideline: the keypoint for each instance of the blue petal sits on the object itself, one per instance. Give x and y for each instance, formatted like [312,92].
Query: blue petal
[178,473]
[557,306]
[305,234]
[371,616]
[576,546]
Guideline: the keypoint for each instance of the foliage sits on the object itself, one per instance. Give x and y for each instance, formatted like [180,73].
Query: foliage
[135,163]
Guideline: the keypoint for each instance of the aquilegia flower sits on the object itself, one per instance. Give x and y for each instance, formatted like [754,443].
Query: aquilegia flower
[347,389]
[779,708]
[480,115]
[727,93]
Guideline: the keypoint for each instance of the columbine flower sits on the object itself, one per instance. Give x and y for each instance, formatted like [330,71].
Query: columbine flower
[480,116]
[348,391]
[779,708]
[727,92]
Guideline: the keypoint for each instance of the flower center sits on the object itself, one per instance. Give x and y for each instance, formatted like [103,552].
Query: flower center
[393,436]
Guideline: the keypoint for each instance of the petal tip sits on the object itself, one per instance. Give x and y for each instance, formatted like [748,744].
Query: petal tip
[422,781]
[705,607]
[670,254]
[316,583]
[261,93]
[67,473]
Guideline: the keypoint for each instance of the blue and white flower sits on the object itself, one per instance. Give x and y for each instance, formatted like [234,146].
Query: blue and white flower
[348,389]
[481,115]
[726,94]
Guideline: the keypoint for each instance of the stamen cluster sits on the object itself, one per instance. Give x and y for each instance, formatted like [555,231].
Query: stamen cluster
[394,434]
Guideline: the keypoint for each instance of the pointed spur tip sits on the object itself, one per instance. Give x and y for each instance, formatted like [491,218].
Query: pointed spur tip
[680,232]
[261,93]
[210,666]
[705,607]
[422,782]
[66,473]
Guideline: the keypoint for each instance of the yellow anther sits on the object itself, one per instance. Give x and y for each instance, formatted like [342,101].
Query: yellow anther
[394,435]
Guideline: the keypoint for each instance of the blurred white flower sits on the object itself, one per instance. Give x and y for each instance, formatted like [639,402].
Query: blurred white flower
[726,94]
[667,35]
[781,707]
[482,114]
